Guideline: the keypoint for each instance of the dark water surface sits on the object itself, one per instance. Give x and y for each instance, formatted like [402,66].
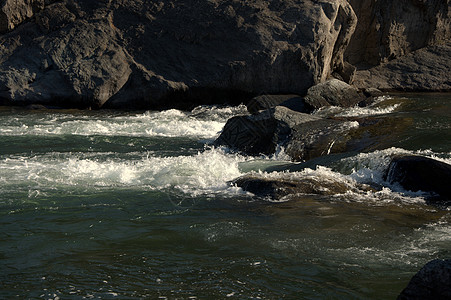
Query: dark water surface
[132,205]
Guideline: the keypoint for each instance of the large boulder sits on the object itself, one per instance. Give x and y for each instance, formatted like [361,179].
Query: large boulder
[123,53]
[418,173]
[262,132]
[302,135]
[333,93]
[432,282]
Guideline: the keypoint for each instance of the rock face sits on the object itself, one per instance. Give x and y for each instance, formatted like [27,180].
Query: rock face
[302,135]
[432,282]
[14,12]
[426,69]
[402,45]
[391,29]
[123,53]
[417,173]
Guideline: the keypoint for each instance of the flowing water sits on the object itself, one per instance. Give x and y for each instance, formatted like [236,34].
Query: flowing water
[129,205]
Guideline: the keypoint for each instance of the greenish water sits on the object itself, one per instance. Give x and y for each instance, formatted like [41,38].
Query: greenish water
[129,205]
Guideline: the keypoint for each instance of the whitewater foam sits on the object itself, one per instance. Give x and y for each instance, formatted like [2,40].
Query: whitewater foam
[206,172]
[378,107]
[371,166]
[362,174]
[202,122]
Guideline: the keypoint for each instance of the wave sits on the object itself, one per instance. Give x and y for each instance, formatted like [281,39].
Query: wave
[202,122]
[208,172]
[362,174]
[380,106]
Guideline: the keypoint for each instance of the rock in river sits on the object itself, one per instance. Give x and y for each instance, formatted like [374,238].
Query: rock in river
[302,135]
[276,189]
[333,92]
[417,173]
[432,282]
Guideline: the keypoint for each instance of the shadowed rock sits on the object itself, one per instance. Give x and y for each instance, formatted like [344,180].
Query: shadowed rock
[432,282]
[14,12]
[263,102]
[304,136]
[418,173]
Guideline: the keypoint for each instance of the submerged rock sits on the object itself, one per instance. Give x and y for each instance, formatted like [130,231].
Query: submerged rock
[285,188]
[418,173]
[276,189]
[432,282]
[123,53]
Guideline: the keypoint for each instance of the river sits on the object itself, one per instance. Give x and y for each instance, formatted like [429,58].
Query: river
[130,205]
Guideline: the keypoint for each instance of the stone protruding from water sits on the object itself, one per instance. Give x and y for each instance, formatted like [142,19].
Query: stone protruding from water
[418,173]
[333,92]
[432,282]
[277,189]
[302,135]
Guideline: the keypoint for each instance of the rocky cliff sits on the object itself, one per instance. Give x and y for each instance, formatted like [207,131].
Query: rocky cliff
[179,53]
[402,45]
[391,29]
[121,53]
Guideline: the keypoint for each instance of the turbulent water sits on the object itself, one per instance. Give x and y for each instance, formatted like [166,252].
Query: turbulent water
[127,205]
